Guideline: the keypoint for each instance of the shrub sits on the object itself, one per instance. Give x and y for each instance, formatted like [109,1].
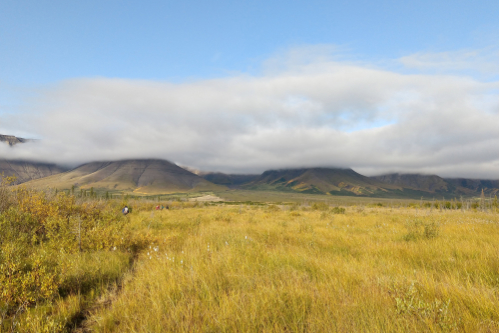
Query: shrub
[420,228]
[38,229]
[273,208]
[320,206]
[338,210]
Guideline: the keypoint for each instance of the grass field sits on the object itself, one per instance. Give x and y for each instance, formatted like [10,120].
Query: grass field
[264,269]
[271,268]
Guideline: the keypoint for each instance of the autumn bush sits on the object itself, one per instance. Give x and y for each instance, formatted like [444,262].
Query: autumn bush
[45,238]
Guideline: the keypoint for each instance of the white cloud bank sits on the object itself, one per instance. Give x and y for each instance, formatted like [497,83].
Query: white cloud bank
[320,113]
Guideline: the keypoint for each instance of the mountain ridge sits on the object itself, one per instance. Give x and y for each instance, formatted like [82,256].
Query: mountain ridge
[141,176]
[12,140]
[434,184]
[333,181]
[25,171]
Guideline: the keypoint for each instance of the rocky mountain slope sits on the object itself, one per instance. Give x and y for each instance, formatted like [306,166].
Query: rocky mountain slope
[148,176]
[436,185]
[230,180]
[332,181]
[25,171]
[427,183]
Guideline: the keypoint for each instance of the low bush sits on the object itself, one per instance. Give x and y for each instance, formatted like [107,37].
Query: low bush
[40,231]
[422,228]
[322,206]
[338,210]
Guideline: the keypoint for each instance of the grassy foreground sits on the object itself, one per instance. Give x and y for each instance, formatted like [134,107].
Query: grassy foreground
[265,269]
[77,264]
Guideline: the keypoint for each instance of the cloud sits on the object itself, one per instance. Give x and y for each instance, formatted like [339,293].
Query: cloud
[482,62]
[314,111]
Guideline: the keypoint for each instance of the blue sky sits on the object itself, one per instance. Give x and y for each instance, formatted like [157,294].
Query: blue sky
[47,41]
[380,86]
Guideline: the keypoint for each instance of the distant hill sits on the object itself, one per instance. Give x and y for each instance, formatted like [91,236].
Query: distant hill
[228,179]
[12,140]
[474,186]
[332,181]
[148,176]
[426,183]
[25,171]
[436,185]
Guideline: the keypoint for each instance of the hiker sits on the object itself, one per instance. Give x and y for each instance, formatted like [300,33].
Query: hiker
[157,207]
[125,210]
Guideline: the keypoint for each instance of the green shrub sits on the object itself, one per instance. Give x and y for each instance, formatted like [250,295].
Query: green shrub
[418,228]
[338,210]
[322,206]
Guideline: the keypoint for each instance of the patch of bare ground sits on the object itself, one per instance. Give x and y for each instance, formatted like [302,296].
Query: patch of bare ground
[207,198]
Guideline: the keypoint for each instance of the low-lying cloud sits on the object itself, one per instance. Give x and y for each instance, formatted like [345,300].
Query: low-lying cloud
[319,113]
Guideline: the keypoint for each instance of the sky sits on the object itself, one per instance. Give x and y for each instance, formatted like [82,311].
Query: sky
[242,87]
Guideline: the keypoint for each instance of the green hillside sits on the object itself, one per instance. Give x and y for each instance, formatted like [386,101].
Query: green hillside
[439,186]
[331,181]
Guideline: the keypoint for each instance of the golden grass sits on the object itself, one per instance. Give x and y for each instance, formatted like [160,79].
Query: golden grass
[263,269]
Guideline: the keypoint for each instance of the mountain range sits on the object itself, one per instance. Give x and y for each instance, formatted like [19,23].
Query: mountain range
[24,171]
[153,176]
[149,176]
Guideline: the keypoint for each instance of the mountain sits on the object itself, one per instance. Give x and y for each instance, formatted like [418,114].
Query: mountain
[12,140]
[436,185]
[25,171]
[474,186]
[231,180]
[426,183]
[149,176]
[332,181]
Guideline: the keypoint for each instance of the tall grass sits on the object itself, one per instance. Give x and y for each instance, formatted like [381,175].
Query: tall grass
[70,263]
[263,269]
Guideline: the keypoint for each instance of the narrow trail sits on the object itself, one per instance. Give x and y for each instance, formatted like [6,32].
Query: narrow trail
[81,322]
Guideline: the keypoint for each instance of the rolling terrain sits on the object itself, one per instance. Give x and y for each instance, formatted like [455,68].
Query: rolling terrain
[441,186]
[333,181]
[230,180]
[159,176]
[25,171]
[149,176]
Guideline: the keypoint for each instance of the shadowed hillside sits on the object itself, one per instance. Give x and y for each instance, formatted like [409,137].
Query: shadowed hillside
[228,179]
[474,186]
[25,171]
[140,176]
[427,183]
[321,181]
[442,186]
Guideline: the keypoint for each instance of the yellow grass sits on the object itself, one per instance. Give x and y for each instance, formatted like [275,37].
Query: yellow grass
[271,269]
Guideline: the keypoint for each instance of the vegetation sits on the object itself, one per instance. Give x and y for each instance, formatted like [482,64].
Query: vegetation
[282,267]
[57,254]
